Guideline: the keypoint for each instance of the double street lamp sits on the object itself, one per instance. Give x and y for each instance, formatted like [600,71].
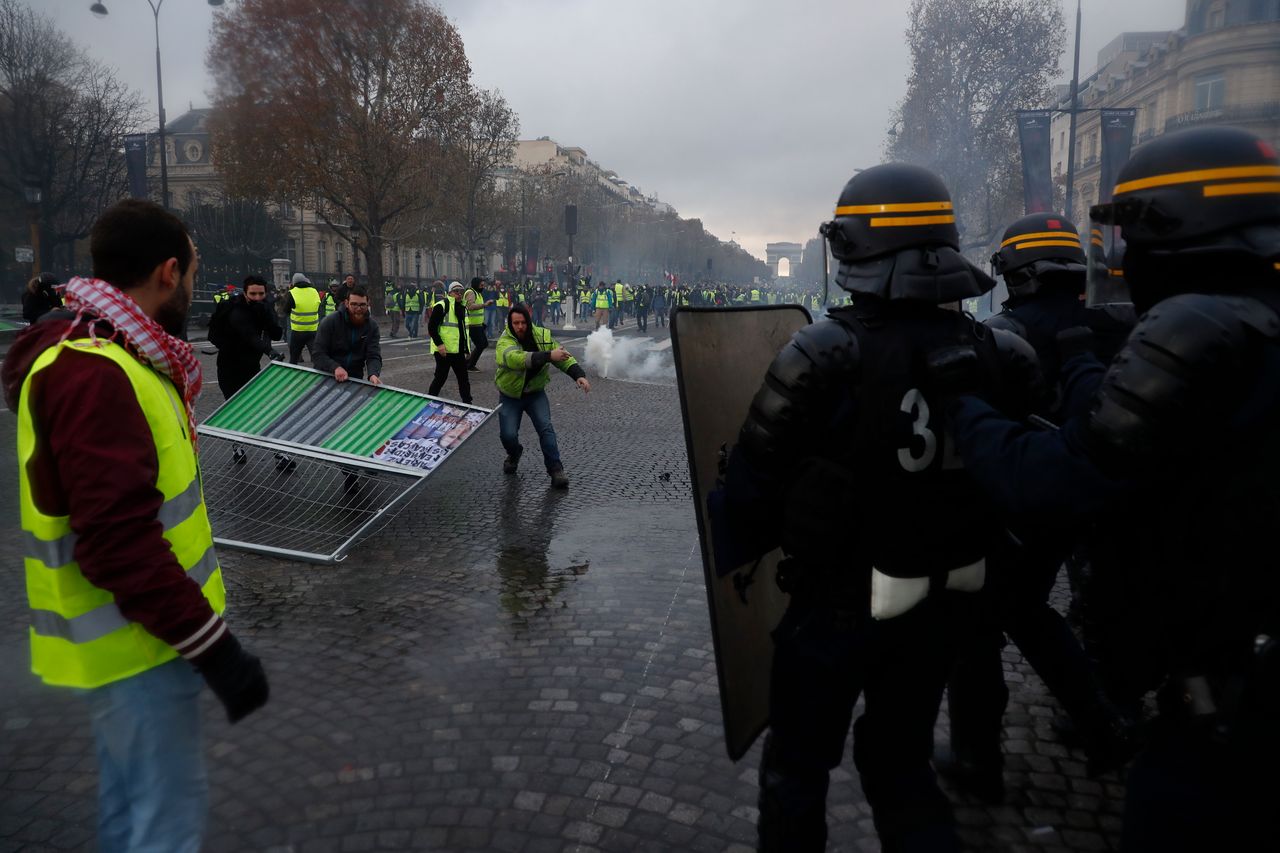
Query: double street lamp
[100,9]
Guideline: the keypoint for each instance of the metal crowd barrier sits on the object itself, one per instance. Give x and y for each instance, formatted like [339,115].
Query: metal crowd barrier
[300,466]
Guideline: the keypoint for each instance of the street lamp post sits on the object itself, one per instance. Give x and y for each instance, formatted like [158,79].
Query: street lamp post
[34,195]
[101,10]
[417,267]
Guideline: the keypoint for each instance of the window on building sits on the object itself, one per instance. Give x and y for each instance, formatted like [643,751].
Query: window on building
[1216,17]
[1211,91]
[322,255]
[291,251]
[286,211]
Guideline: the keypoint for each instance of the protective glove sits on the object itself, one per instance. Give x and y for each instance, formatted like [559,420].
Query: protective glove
[951,372]
[236,678]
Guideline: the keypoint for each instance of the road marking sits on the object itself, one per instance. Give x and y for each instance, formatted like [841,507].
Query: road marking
[661,345]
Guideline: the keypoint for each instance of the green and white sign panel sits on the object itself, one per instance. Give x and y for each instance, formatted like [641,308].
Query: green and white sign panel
[300,465]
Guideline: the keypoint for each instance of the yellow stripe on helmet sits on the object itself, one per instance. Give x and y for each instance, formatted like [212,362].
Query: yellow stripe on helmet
[1252,188]
[898,221]
[1035,244]
[1039,235]
[1199,175]
[905,207]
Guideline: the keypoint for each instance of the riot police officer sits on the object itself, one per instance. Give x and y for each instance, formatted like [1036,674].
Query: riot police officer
[1043,265]
[1175,459]
[845,427]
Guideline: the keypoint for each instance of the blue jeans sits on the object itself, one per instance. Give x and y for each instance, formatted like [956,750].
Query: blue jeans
[538,407]
[153,794]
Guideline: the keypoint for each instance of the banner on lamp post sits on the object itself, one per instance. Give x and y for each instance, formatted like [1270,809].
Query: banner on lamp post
[135,159]
[1034,137]
[1117,142]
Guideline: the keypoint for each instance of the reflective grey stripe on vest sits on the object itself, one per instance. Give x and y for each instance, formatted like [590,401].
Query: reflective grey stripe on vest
[104,619]
[58,552]
[179,507]
[84,628]
[204,567]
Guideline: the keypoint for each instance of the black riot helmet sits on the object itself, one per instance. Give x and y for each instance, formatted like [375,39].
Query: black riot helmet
[1197,210]
[895,237]
[1040,250]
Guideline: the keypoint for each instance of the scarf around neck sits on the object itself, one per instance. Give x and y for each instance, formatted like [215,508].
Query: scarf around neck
[142,336]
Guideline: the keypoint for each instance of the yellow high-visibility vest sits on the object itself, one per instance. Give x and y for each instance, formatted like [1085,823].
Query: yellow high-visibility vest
[305,316]
[450,329]
[475,313]
[79,637]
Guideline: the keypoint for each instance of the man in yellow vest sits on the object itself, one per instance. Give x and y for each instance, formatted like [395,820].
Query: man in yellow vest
[473,298]
[303,304]
[411,299]
[617,314]
[602,300]
[450,341]
[123,582]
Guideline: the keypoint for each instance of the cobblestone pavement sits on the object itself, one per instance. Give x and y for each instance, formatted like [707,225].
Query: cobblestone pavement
[502,668]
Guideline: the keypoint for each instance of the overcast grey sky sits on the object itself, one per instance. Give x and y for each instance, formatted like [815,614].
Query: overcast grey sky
[747,113]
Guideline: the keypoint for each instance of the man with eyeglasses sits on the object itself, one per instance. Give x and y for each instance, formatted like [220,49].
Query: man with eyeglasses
[348,344]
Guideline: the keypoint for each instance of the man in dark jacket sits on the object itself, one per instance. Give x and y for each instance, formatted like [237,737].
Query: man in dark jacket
[40,297]
[251,327]
[348,342]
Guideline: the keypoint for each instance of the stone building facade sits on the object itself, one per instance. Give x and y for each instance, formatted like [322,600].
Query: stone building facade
[1221,67]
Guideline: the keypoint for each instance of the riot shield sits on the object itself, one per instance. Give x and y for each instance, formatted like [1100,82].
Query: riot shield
[722,355]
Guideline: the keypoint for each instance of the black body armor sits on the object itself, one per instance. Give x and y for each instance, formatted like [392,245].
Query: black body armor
[878,452]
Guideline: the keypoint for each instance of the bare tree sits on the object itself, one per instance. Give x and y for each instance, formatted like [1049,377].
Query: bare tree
[973,64]
[235,235]
[62,117]
[475,211]
[353,102]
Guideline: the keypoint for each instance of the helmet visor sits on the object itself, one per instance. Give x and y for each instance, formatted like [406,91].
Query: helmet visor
[1105,256]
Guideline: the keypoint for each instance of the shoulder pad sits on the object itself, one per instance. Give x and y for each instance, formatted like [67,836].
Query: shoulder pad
[800,381]
[1181,365]
[1005,321]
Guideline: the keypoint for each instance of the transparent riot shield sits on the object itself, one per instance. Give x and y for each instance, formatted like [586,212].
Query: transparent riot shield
[1105,260]
[722,355]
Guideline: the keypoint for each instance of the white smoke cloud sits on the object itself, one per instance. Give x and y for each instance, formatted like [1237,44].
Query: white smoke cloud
[627,358]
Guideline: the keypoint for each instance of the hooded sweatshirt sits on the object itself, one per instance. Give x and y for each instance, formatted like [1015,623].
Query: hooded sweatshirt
[95,462]
[522,362]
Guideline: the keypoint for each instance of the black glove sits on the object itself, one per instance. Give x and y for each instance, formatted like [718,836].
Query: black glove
[952,372]
[236,678]
[1075,341]
[276,356]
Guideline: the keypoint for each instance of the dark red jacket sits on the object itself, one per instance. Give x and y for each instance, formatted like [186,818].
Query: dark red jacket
[95,461]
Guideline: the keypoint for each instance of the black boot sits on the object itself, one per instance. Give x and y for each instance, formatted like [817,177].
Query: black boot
[793,807]
[558,478]
[982,778]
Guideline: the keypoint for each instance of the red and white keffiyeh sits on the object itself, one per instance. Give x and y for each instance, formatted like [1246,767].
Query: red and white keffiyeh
[140,335]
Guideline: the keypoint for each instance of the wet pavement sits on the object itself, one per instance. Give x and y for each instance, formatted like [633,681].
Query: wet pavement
[503,667]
